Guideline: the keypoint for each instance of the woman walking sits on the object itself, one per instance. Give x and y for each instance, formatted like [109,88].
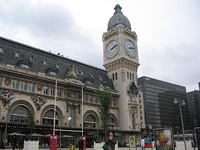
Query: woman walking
[110,143]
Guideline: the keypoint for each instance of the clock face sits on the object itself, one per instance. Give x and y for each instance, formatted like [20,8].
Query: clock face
[112,49]
[130,48]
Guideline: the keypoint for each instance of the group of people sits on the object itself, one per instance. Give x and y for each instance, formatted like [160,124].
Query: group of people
[109,144]
[17,142]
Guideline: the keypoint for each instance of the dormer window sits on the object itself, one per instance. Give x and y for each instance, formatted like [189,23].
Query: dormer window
[1,51]
[45,62]
[52,73]
[16,55]
[24,66]
[25,63]
[31,58]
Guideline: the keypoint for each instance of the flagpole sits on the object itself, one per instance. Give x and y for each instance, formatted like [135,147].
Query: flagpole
[54,117]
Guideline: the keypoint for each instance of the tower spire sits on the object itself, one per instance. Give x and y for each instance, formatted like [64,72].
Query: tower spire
[118,9]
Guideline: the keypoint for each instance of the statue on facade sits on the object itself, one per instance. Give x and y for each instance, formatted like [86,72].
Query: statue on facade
[132,90]
[38,101]
[6,96]
[73,72]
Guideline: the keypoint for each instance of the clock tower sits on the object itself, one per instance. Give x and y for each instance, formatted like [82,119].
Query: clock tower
[120,54]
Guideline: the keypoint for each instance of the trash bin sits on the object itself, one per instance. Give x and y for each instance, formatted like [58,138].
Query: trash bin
[73,147]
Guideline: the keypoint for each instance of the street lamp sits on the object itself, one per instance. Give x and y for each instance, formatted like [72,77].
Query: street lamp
[180,103]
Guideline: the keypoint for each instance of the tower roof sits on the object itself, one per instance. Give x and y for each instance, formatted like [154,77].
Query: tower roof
[118,18]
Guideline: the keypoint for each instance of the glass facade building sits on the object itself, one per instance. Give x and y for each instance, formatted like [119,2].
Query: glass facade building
[160,111]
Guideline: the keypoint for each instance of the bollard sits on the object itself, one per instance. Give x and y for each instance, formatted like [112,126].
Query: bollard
[53,142]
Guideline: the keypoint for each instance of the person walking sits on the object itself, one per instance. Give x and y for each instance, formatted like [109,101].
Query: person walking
[21,143]
[14,142]
[80,144]
[110,143]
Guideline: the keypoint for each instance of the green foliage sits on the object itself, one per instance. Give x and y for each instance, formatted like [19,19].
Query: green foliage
[105,99]
[31,120]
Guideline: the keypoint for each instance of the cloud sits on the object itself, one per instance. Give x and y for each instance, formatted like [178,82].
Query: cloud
[168,32]
[49,26]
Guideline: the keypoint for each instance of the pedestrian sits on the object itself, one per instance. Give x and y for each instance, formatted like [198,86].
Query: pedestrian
[14,142]
[142,143]
[2,144]
[80,144]
[110,143]
[21,143]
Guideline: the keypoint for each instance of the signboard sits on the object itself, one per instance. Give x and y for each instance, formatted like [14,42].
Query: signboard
[132,141]
[148,142]
[164,140]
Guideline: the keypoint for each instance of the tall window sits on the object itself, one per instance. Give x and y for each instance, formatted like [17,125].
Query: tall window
[31,87]
[48,118]
[116,75]
[52,91]
[112,122]
[1,80]
[127,75]
[15,84]
[20,114]
[46,90]
[24,85]
[113,76]
[133,121]
[60,92]
[90,122]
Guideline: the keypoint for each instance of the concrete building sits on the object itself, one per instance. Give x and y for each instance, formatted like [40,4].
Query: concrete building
[193,98]
[28,78]
[160,111]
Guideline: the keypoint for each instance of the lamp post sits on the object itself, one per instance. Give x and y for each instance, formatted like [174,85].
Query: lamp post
[82,109]
[54,115]
[180,103]
[6,128]
[68,120]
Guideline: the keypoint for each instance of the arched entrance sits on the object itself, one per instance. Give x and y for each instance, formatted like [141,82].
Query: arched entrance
[91,120]
[47,117]
[21,112]
[112,121]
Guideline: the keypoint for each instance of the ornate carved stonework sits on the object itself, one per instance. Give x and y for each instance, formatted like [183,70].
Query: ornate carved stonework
[132,91]
[38,101]
[73,72]
[6,96]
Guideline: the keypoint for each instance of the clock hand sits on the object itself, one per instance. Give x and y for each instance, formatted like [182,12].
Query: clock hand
[130,47]
[114,46]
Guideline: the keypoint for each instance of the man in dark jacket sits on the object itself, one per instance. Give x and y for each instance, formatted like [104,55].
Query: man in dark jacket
[80,144]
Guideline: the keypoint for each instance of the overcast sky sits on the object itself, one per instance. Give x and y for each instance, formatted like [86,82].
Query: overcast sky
[168,32]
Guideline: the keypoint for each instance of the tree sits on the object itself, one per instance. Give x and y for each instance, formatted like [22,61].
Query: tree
[105,99]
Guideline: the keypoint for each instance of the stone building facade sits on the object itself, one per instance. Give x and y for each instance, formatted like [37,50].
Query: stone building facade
[28,78]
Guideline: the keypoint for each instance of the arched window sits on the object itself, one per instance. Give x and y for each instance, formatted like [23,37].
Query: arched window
[24,63]
[48,117]
[112,122]
[90,121]
[20,114]
[1,50]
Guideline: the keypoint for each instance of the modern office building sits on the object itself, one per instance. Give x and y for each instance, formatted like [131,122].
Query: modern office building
[194,107]
[28,86]
[160,111]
